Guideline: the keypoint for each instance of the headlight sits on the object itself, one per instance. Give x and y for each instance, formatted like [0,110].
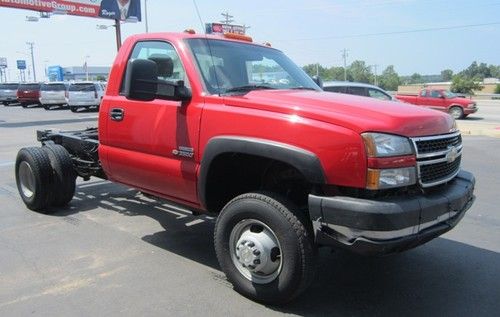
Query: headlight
[471,105]
[383,145]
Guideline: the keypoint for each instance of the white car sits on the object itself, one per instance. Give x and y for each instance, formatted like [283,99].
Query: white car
[54,94]
[84,95]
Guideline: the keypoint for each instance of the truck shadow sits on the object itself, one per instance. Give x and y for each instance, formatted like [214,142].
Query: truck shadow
[441,278]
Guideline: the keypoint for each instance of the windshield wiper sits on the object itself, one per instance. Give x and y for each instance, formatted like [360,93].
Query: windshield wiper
[247,88]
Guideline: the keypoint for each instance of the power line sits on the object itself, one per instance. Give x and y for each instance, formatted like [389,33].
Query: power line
[395,32]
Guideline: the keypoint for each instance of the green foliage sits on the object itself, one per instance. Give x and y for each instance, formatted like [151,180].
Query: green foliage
[479,71]
[100,78]
[360,72]
[416,78]
[446,75]
[497,89]
[389,80]
[464,85]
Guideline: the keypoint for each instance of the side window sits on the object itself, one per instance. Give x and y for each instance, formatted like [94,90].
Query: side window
[423,93]
[165,56]
[359,91]
[435,94]
[375,93]
[338,89]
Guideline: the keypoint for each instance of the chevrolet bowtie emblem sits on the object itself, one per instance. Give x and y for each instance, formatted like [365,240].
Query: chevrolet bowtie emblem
[452,154]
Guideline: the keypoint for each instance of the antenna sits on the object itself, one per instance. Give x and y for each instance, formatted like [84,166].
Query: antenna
[208,45]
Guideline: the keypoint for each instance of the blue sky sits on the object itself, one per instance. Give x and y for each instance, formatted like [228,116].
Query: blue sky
[308,31]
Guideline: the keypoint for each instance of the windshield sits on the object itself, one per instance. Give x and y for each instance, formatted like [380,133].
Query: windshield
[237,68]
[53,87]
[449,94]
[29,87]
[9,86]
[82,87]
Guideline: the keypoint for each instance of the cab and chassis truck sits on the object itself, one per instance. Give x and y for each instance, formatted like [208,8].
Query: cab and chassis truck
[286,167]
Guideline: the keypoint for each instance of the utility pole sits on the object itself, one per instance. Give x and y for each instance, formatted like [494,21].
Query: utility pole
[146,14]
[228,19]
[30,44]
[118,31]
[345,54]
[375,73]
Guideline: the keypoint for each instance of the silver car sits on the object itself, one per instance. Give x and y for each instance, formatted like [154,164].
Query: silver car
[359,89]
[8,93]
[54,94]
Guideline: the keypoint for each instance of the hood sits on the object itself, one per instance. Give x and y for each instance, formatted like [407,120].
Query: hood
[360,114]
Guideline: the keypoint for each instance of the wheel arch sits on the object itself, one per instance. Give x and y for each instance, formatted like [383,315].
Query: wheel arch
[306,162]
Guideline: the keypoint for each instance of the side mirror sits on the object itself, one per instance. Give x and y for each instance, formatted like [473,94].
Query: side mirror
[173,90]
[141,80]
[318,81]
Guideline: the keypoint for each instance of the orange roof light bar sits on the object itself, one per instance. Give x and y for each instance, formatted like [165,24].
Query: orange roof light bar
[236,36]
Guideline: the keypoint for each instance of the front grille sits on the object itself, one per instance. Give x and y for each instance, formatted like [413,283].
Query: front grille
[432,173]
[438,158]
[438,145]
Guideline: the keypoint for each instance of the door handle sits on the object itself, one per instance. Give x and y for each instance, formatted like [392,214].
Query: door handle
[117,114]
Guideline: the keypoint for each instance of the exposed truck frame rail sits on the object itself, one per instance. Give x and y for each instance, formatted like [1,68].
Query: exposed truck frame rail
[82,146]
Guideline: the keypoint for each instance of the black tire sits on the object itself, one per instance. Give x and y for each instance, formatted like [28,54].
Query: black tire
[34,178]
[73,109]
[46,107]
[24,105]
[457,112]
[64,174]
[298,252]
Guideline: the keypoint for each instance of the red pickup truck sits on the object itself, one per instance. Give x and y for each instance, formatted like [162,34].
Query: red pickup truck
[236,129]
[443,100]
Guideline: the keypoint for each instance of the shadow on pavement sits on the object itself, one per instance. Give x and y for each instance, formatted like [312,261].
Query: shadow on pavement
[441,278]
[46,122]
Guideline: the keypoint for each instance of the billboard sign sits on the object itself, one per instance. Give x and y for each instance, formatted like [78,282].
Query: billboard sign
[221,28]
[21,64]
[3,62]
[108,9]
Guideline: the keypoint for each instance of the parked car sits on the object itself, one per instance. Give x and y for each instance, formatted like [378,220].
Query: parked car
[29,94]
[8,93]
[359,89]
[443,100]
[84,95]
[54,94]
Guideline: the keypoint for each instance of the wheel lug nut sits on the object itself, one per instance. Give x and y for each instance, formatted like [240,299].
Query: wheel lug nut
[251,244]
[256,252]
[251,267]
[256,261]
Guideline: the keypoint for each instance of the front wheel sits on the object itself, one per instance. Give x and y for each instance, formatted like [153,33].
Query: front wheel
[457,112]
[264,248]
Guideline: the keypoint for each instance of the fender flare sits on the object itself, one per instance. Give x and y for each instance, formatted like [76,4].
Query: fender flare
[304,161]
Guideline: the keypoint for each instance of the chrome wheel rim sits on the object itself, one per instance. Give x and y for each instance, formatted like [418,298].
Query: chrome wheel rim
[26,179]
[456,113]
[255,251]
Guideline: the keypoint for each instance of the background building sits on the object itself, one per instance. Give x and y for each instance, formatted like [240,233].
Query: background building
[58,73]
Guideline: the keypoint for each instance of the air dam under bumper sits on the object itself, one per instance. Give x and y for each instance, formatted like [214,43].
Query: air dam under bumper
[389,225]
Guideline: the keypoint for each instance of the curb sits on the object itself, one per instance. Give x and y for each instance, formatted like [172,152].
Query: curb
[491,130]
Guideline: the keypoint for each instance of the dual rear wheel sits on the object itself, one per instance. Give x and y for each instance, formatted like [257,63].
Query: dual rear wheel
[45,177]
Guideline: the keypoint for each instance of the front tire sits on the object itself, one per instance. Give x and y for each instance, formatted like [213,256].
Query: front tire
[457,112]
[34,178]
[264,248]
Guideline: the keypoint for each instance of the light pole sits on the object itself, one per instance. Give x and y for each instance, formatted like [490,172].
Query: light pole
[45,61]
[117,27]
[146,15]
[30,44]
[87,67]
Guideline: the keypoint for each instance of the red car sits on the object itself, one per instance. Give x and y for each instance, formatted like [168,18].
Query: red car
[443,100]
[29,94]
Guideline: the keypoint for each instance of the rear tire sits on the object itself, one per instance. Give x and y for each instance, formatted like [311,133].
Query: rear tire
[247,229]
[457,112]
[34,178]
[73,109]
[64,174]
[24,105]
[46,107]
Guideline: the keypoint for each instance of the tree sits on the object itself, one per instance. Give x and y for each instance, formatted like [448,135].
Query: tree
[389,80]
[497,89]
[416,78]
[100,78]
[464,85]
[360,72]
[446,75]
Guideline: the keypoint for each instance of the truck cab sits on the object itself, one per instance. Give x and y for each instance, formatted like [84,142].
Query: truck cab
[236,129]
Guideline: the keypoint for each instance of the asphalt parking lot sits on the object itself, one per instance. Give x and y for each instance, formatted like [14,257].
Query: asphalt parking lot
[114,251]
